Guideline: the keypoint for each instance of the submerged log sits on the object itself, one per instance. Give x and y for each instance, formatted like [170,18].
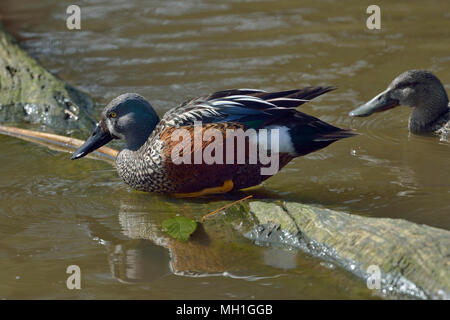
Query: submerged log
[413,260]
[30,93]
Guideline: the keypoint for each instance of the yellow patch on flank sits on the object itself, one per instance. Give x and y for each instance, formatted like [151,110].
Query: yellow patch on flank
[227,186]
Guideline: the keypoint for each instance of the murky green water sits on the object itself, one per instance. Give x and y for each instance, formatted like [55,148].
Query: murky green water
[55,212]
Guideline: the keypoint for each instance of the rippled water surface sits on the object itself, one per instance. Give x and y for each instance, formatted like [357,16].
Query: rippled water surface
[55,212]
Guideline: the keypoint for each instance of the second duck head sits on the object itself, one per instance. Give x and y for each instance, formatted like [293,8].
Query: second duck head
[419,89]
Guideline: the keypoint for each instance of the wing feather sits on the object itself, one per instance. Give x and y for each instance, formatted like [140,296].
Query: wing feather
[243,106]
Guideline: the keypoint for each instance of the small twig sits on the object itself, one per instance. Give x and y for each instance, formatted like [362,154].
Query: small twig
[53,141]
[225,207]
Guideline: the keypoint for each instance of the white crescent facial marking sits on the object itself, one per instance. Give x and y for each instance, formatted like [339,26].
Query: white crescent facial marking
[112,131]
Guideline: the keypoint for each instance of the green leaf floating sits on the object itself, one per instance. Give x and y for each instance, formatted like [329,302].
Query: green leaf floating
[179,228]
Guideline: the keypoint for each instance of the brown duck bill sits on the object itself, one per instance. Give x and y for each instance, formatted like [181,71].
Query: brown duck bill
[381,102]
[97,139]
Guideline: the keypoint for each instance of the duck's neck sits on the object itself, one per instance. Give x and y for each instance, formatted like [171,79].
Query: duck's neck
[126,164]
[140,170]
[423,116]
[139,132]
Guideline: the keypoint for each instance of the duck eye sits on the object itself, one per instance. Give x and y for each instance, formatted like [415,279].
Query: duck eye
[113,114]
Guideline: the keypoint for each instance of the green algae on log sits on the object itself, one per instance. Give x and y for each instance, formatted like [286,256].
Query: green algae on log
[30,93]
[414,259]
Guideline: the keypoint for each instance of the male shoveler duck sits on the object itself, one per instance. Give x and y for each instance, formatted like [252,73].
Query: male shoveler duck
[421,90]
[145,162]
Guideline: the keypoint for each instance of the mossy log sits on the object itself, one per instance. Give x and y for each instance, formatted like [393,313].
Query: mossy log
[414,260]
[30,93]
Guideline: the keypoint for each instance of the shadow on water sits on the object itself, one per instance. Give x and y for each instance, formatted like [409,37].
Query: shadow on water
[142,253]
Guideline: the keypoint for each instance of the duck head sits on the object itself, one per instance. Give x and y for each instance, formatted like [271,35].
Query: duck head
[129,117]
[419,89]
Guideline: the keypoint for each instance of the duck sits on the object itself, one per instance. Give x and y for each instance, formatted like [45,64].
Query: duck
[153,155]
[424,93]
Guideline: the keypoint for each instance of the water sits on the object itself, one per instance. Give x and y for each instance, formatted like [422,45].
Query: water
[57,212]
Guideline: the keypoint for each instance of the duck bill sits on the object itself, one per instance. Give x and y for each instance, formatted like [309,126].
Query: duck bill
[97,139]
[381,102]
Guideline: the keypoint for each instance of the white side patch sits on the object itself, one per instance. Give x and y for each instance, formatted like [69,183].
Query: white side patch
[284,139]
[285,144]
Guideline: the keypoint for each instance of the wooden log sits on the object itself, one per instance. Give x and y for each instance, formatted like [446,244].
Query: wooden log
[57,142]
[413,259]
